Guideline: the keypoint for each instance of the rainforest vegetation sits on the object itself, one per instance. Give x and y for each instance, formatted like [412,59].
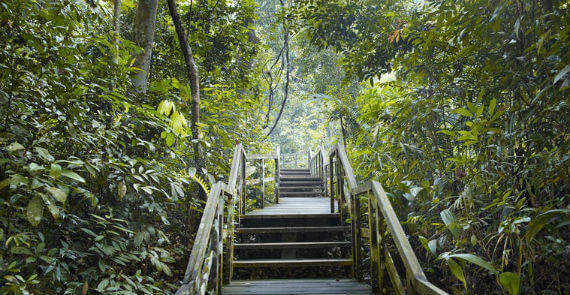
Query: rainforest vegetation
[116,117]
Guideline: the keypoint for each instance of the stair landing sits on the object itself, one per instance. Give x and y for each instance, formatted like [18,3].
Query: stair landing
[288,206]
[297,286]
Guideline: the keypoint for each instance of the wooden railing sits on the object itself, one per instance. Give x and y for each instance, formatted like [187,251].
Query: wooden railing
[209,265]
[384,228]
[294,160]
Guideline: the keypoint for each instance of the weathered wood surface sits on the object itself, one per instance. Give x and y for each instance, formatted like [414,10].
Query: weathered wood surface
[383,213]
[272,263]
[293,229]
[300,286]
[296,206]
[301,245]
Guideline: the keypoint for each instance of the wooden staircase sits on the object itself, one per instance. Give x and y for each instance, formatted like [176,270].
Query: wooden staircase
[299,183]
[296,238]
[293,241]
[302,243]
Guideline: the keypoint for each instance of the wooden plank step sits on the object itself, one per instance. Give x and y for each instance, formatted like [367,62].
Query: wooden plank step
[274,263]
[299,178]
[297,287]
[291,245]
[295,194]
[302,183]
[286,190]
[295,172]
[291,216]
[294,169]
[290,229]
[316,186]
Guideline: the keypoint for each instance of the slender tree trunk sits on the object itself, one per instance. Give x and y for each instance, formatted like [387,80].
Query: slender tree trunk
[193,77]
[288,69]
[116,29]
[343,131]
[144,37]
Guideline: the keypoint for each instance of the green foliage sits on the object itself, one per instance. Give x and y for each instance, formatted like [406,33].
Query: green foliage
[96,197]
[511,282]
[471,138]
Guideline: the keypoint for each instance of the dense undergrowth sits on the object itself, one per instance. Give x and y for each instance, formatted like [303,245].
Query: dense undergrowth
[469,133]
[461,113]
[98,186]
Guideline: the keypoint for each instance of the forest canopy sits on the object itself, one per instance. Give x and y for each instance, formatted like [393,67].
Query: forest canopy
[118,116]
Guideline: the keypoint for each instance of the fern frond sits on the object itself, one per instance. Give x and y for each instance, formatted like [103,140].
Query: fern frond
[200,181]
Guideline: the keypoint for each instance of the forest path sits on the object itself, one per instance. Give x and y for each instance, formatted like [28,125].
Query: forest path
[296,246]
[300,286]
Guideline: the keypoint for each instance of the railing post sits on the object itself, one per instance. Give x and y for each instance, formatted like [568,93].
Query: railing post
[262,183]
[277,173]
[331,178]
[373,244]
[229,242]
[356,238]
[340,188]
[244,187]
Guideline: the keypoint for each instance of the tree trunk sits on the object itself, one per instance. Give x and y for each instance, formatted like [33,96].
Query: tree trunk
[288,69]
[144,37]
[116,28]
[193,77]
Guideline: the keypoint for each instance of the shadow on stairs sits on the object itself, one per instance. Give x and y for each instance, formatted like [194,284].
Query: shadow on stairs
[294,247]
[297,286]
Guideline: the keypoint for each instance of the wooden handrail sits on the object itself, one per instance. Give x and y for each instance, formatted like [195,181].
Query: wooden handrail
[381,217]
[206,262]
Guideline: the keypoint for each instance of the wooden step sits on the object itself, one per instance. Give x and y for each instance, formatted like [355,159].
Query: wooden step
[300,194]
[296,287]
[291,216]
[300,188]
[274,263]
[291,229]
[299,178]
[291,245]
[294,170]
[288,183]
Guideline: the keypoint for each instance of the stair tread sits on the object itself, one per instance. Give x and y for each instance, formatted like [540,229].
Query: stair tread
[292,262]
[253,215]
[315,186]
[293,229]
[299,193]
[302,183]
[291,245]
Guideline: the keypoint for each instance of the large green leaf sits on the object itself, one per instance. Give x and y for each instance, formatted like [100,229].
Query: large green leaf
[72,175]
[450,222]
[472,258]
[457,271]
[464,112]
[58,194]
[561,74]
[510,281]
[541,220]
[35,210]
[55,171]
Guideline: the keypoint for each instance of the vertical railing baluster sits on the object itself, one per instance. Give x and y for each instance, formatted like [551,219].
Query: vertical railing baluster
[331,175]
[262,183]
[356,238]
[373,242]
[244,187]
